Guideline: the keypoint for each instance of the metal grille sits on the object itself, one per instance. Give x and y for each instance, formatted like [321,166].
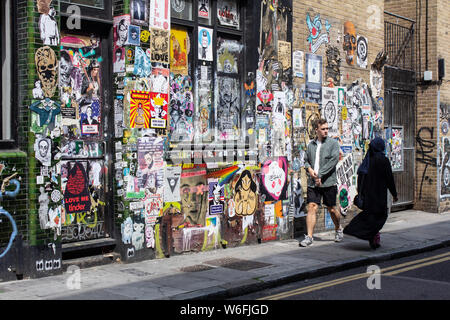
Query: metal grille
[399,41]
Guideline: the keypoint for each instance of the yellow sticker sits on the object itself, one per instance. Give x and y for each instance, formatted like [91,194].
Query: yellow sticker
[344,113]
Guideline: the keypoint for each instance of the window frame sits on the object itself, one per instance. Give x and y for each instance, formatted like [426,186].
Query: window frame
[12,141]
[225,32]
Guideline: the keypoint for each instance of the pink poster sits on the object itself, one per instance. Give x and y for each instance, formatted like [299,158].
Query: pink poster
[160,14]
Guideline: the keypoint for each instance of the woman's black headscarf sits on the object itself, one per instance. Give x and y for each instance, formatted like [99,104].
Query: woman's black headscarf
[377,145]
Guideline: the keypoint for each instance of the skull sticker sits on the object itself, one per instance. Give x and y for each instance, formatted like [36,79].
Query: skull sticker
[46,67]
[349,45]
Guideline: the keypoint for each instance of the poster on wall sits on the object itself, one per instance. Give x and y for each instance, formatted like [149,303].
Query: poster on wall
[43,150]
[139,12]
[245,194]
[228,13]
[159,45]
[216,197]
[140,109]
[274,179]
[298,63]
[445,168]
[80,83]
[397,149]
[160,80]
[181,108]
[151,165]
[76,193]
[330,110]
[160,14]
[204,9]
[205,50]
[347,189]
[362,52]
[142,63]
[179,51]
[204,102]
[228,55]
[134,35]
[90,118]
[284,54]
[121,24]
[194,196]
[313,86]
[119,60]
[228,120]
[159,110]
[172,180]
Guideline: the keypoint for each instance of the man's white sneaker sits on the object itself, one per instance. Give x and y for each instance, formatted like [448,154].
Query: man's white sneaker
[339,236]
[307,241]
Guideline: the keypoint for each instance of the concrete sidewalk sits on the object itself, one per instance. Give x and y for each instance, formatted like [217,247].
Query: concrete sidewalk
[225,273]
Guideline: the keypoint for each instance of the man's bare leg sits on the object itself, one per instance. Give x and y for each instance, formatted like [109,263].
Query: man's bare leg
[311,218]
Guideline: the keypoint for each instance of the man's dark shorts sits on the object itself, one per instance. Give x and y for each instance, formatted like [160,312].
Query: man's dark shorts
[329,195]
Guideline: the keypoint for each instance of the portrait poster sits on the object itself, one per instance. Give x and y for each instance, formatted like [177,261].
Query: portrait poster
[228,13]
[43,150]
[139,12]
[90,118]
[298,63]
[194,196]
[228,55]
[205,41]
[204,9]
[160,14]
[274,179]
[159,45]
[313,86]
[172,180]
[330,110]
[140,109]
[159,110]
[179,51]
[120,26]
[216,197]
[134,35]
[312,114]
[151,165]
[119,60]
[160,80]
[284,54]
[245,192]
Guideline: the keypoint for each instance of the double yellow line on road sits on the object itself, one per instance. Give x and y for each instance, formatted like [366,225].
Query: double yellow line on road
[403,267]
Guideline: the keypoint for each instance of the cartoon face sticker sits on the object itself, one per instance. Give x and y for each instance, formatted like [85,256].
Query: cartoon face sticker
[46,67]
[274,178]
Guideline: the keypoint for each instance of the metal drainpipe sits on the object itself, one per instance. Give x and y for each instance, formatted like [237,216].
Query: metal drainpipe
[426,36]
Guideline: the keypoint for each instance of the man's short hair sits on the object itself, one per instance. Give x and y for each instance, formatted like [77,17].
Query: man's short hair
[319,122]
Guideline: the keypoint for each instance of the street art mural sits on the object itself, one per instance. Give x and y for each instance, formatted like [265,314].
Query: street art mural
[167,100]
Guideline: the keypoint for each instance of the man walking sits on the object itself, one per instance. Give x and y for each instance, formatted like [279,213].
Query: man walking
[322,156]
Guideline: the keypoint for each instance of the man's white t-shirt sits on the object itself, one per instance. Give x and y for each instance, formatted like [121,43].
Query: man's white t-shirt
[317,160]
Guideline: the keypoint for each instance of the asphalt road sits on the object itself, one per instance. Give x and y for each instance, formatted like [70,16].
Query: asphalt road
[420,277]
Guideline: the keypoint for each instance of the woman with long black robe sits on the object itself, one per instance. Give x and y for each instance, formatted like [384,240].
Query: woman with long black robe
[374,179]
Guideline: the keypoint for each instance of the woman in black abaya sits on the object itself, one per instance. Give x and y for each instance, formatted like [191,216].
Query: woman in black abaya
[374,179]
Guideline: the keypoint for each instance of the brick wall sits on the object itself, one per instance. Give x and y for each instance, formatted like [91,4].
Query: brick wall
[367,17]
[443,51]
